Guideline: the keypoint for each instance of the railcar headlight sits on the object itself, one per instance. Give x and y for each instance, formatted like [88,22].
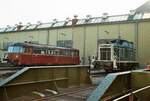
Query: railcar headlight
[17,56]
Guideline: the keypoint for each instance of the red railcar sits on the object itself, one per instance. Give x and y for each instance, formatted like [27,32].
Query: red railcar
[37,54]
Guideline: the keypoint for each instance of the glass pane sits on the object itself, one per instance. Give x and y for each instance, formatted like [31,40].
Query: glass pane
[15,29]
[69,23]
[118,18]
[93,20]
[23,28]
[124,17]
[138,16]
[10,29]
[45,25]
[80,21]
[112,19]
[88,21]
[31,26]
[146,16]
[57,24]
[98,20]
[2,29]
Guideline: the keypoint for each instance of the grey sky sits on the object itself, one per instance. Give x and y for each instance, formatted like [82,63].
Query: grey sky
[15,11]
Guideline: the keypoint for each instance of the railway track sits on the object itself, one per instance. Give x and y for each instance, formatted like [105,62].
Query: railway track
[76,93]
[5,72]
[73,94]
[59,80]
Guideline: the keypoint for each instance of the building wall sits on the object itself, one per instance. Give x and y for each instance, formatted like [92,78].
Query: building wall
[128,32]
[91,33]
[42,36]
[78,41]
[53,37]
[113,31]
[108,31]
[85,37]
[144,42]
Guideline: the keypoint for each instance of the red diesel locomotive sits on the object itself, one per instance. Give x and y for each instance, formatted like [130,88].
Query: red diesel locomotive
[26,54]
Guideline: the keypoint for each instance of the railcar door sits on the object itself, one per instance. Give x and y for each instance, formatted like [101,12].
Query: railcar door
[36,56]
[26,58]
[40,56]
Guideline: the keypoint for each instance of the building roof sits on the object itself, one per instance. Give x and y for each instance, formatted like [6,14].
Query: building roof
[144,8]
[91,20]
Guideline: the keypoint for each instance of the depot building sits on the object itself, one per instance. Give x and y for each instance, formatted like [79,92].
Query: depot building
[86,34]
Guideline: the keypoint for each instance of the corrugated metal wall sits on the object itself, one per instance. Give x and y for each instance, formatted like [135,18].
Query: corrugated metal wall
[85,37]
[144,42]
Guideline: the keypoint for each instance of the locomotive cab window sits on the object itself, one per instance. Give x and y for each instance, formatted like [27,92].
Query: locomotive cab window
[105,53]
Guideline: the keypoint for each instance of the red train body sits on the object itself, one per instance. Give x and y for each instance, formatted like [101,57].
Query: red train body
[21,54]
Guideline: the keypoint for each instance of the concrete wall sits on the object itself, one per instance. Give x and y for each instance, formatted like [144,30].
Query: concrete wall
[85,37]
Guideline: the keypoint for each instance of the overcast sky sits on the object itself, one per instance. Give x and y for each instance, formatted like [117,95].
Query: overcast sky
[14,11]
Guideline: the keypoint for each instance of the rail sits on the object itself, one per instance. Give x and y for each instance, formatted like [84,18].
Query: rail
[132,93]
[124,86]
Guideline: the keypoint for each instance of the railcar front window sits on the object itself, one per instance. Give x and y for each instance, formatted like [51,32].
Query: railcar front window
[15,49]
[10,49]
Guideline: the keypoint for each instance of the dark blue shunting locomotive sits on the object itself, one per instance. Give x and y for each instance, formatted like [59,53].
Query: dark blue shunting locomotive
[116,54]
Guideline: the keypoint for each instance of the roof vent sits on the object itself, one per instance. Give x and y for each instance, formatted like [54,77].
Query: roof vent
[8,26]
[67,19]
[55,20]
[132,12]
[75,16]
[28,24]
[39,22]
[74,20]
[88,16]
[105,15]
[20,23]
[19,26]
